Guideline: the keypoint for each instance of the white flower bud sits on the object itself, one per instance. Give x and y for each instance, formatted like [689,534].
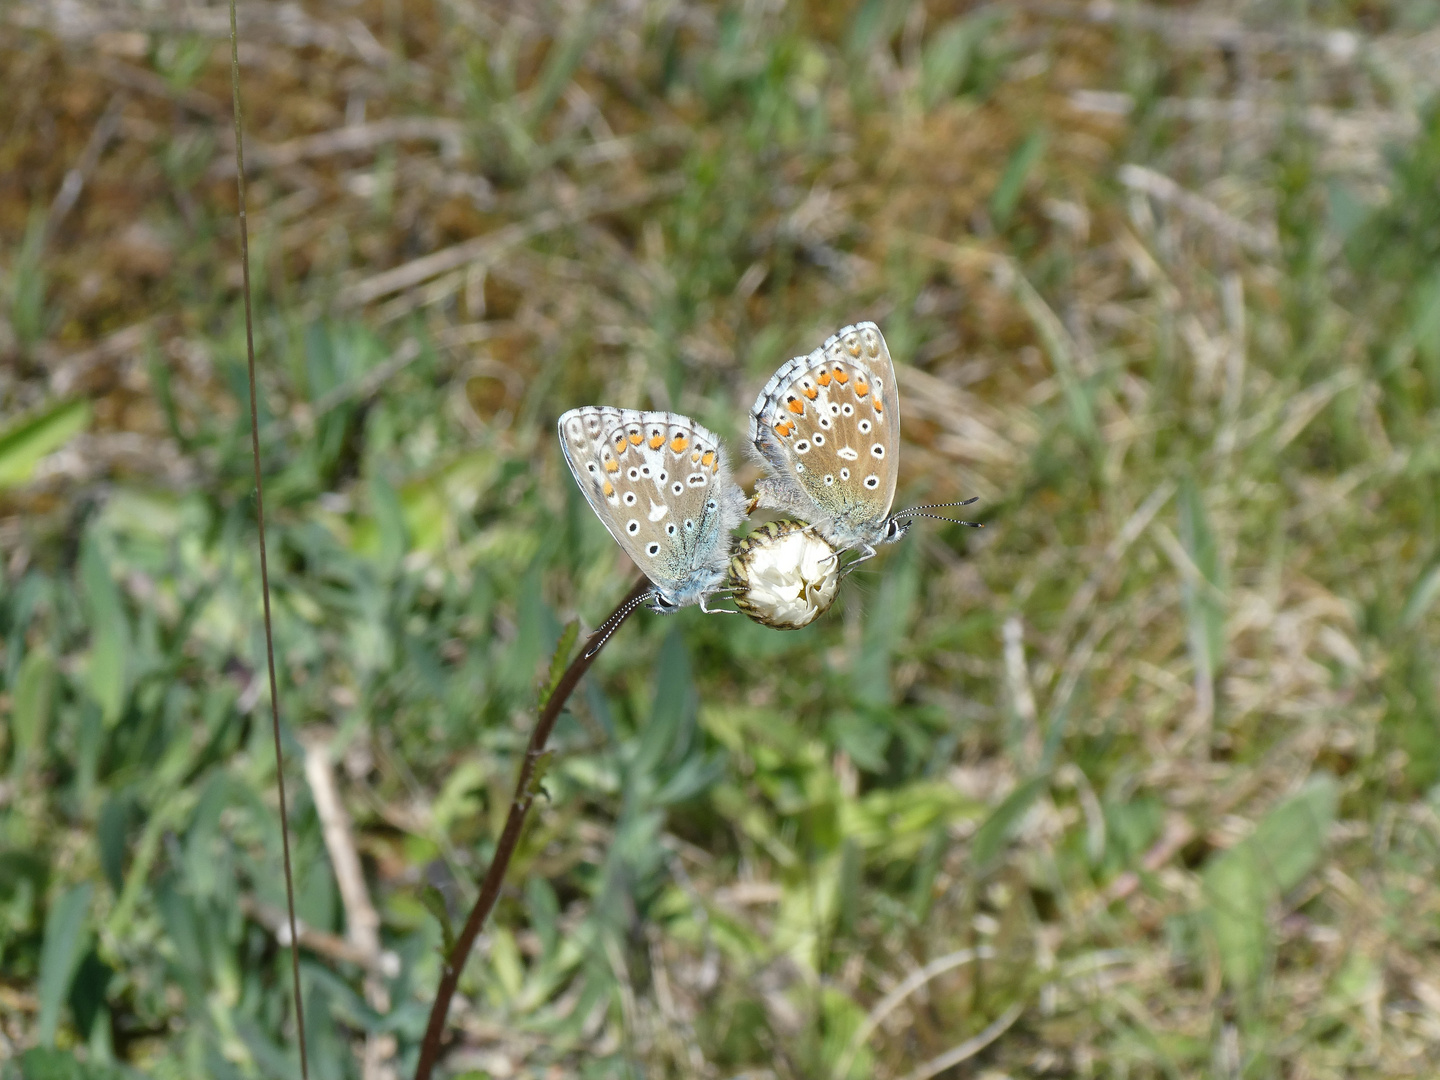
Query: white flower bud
[784,576]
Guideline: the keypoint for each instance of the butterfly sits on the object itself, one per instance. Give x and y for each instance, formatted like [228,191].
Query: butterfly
[827,427]
[660,483]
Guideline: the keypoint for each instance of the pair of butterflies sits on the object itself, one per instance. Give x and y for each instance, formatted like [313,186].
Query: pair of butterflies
[827,428]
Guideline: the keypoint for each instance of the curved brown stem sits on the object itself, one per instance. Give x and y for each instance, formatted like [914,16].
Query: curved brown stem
[510,835]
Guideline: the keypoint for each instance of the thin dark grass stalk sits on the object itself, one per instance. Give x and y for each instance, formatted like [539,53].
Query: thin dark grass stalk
[260,531]
[526,788]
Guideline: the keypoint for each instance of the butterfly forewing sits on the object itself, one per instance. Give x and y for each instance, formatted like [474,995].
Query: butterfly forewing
[829,424]
[659,483]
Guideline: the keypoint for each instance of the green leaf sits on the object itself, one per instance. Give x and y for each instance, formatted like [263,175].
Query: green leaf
[28,439]
[111,835]
[875,22]
[434,901]
[562,60]
[34,700]
[672,716]
[946,60]
[995,832]
[1425,318]
[88,990]
[1422,598]
[1204,599]
[390,526]
[1006,196]
[543,907]
[863,737]
[1242,884]
[887,623]
[561,660]
[27,283]
[64,944]
[109,632]
[47,1064]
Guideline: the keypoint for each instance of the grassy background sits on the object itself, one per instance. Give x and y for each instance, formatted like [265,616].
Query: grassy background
[1146,771]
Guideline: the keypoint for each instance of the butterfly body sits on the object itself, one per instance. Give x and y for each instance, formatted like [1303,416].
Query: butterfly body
[660,484]
[827,425]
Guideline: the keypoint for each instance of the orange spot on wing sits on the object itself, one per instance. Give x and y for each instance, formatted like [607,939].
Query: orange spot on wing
[810,392]
[679,443]
[797,406]
[609,489]
[708,458]
[635,437]
[657,441]
[783,428]
[876,403]
[841,376]
[861,387]
[620,445]
[823,378]
[612,465]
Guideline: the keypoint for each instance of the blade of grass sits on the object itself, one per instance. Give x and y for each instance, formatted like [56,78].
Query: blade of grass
[64,945]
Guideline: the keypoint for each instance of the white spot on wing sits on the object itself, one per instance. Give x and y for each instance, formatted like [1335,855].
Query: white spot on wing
[657,510]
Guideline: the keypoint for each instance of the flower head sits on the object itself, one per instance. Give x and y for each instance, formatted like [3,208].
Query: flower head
[785,576]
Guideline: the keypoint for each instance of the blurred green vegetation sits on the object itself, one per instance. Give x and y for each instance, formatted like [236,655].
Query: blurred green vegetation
[1143,780]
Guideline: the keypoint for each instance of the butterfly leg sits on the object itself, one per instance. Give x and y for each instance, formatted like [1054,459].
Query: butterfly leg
[866,552]
[715,611]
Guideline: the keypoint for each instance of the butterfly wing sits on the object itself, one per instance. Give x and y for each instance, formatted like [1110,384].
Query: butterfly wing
[828,425]
[660,484]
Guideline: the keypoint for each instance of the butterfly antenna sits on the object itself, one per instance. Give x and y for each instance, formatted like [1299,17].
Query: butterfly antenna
[936,517]
[610,625]
[935,506]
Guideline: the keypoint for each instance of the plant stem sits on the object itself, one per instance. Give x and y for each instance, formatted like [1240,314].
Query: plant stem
[509,838]
[241,218]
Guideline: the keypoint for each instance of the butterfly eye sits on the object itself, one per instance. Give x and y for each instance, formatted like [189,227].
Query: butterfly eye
[802,446]
[864,427]
[591,466]
[670,529]
[653,550]
[629,498]
[829,480]
[696,479]
[872,482]
[678,488]
[663,476]
[633,527]
[824,422]
[818,439]
[689,525]
[848,409]
[878,450]
[844,474]
[645,471]
[634,474]
[835,411]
